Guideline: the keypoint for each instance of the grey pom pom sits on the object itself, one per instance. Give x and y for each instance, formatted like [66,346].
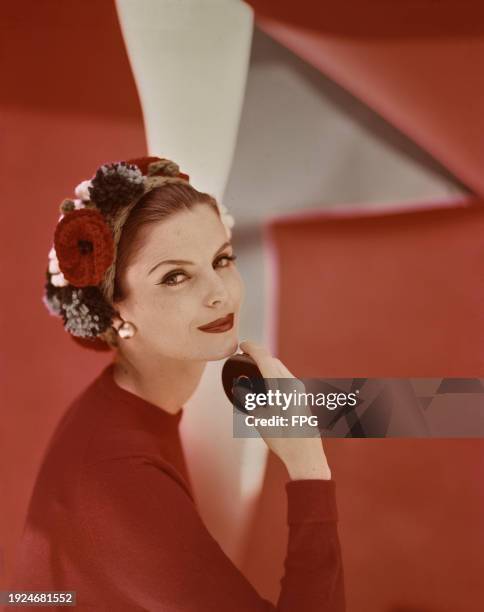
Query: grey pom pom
[116,185]
[86,314]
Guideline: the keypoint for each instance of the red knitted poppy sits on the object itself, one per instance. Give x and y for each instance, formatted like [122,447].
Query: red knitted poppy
[84,246]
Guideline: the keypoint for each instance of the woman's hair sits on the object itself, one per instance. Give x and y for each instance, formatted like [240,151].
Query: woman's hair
[155,206]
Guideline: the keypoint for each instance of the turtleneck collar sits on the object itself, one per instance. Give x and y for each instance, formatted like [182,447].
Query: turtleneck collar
[143,407]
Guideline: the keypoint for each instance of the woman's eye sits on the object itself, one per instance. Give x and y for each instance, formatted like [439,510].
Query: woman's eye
[167,280]
[170,280]
[229,258]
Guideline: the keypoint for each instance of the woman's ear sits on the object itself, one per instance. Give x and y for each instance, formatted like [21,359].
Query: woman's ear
[117,320]
[124,329]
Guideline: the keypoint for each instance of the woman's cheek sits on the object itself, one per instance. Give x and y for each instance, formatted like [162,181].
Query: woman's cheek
[238,289]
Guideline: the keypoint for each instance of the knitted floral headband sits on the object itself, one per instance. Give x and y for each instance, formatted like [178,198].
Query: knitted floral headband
[82,260]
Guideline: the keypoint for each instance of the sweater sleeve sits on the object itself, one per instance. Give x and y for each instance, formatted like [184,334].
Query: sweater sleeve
[151,547]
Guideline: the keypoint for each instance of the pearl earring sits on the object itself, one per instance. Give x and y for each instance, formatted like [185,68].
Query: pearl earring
[126,330]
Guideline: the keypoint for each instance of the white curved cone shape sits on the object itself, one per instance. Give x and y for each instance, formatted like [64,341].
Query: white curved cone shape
[190,60]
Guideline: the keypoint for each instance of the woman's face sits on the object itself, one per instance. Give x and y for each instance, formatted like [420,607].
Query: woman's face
[168,301]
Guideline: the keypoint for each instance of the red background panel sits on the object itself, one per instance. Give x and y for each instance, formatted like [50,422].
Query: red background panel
[69,103]
[381,295]
[386,295]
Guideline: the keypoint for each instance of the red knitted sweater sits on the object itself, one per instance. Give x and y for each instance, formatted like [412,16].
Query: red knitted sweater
[112,517]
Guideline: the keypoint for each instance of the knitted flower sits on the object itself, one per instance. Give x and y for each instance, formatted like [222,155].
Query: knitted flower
[116,185]
[158,166]
[155,166]
[84,247]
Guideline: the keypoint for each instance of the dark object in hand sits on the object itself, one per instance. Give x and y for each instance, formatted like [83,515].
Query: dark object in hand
[240,373]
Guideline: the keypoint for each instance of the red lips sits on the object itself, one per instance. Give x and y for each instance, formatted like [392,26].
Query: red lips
[219,325]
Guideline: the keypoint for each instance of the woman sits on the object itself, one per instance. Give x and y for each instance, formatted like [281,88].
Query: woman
[143,263]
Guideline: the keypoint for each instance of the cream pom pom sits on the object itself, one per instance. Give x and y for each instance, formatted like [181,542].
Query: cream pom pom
[82,190]
[58,280]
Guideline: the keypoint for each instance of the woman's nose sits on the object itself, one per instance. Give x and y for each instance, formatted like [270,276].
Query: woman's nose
[217,291]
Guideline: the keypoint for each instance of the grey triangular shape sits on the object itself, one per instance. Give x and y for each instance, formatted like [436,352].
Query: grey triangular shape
[460,385]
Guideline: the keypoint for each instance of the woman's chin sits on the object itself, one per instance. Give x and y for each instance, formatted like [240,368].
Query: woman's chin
[226,349]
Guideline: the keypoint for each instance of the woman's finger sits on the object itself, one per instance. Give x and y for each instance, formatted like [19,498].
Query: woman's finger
[264,360]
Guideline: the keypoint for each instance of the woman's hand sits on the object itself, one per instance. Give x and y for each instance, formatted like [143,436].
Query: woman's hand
[304,458]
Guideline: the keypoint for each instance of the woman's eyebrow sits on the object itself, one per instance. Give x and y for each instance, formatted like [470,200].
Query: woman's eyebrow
[179,262]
